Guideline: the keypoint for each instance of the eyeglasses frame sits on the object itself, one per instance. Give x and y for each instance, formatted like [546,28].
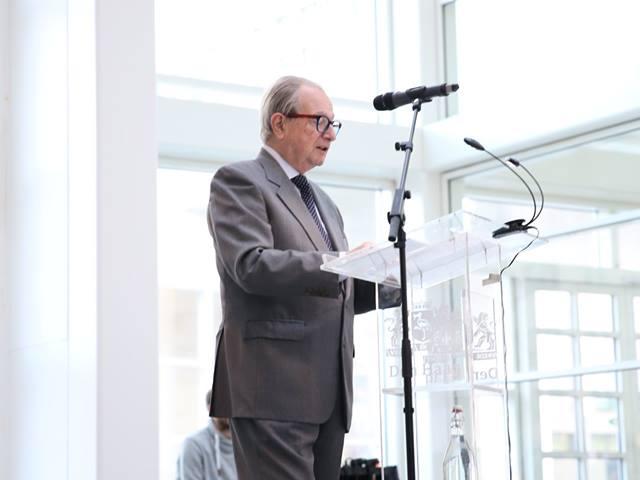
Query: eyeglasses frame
[335,124]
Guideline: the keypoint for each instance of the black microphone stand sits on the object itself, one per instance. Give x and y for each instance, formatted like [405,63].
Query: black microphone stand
[397,235]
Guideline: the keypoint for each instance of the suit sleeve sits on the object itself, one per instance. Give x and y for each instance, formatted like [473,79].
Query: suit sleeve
[241,230]
[365,296]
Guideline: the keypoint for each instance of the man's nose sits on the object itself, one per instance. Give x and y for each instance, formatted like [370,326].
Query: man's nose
[330,133]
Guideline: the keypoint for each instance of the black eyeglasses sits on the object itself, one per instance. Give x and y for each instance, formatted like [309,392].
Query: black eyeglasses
[322,122]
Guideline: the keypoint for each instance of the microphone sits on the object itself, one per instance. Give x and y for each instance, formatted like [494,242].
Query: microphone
[518,225]
[393,100]
[473,143]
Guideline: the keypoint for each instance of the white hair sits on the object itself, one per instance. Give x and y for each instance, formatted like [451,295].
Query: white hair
[282,97]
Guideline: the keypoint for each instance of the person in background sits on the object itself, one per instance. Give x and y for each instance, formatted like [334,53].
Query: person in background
[208,453]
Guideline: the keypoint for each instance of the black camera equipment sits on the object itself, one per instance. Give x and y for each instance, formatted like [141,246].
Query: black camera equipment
[367,469]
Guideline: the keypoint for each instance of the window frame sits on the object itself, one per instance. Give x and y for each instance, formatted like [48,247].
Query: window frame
[524,336]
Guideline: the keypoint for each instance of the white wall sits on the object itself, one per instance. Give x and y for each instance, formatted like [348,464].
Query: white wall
[80,221]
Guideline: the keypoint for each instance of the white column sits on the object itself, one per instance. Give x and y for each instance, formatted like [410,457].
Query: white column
[127,278]
[83,266]
[36,200]
[4,357]
[79,212]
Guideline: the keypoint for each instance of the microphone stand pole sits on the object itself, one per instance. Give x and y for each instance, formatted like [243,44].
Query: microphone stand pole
[398,236]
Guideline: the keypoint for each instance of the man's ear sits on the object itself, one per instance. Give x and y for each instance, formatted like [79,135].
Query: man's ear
[278,125]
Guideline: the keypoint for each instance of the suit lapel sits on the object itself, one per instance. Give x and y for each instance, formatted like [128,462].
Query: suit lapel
[288,194]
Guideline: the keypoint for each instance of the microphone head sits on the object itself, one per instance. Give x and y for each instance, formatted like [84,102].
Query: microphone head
[378,103]
[473,143]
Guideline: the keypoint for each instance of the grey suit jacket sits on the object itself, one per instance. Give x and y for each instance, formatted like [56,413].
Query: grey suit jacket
[285,347]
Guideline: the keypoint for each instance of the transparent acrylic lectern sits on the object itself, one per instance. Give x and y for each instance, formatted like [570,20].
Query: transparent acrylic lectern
[456,333]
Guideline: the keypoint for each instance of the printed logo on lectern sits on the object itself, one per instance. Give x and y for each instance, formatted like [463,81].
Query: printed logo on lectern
[434,331]
[484,337]
[446,347]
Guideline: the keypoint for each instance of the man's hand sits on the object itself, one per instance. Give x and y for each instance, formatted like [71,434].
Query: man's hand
[362,246]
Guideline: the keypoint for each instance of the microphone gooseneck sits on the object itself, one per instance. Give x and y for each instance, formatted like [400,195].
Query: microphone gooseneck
[518,164]
[518,225]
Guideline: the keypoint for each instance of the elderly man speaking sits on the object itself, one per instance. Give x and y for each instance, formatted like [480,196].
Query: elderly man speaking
[284,359]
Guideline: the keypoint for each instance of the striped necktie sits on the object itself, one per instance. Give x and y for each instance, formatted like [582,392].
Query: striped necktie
[305,191]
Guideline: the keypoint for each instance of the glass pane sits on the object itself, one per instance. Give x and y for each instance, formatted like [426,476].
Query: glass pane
[362,213]
[595,312]
[553,309]
[183,239]
[597,351]
[189,309]
[600,382]
[627,236]
[555,352]
[272,38]
[564,384]
[601,425]
[358,208]
[636,313]
[557,423]
[180,388]
[178,329]
[182,411]
[481,33]
[559,469]
[604,469]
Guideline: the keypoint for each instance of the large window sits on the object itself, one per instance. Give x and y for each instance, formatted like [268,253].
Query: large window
[251,43]
[572,310]
[190,309]
[529,64]
[580,420]
[228,52]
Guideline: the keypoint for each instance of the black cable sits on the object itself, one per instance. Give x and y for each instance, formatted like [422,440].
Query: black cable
[504,342]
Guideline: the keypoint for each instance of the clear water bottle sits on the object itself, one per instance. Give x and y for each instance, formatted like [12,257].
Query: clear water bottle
[459,461]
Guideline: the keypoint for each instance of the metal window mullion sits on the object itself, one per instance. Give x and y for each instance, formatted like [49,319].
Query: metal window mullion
[384,51]
[579,413]
[449,52]
[629,382]
[581,393]
[582,455]
[621,310]
[615,250]
[531,460]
